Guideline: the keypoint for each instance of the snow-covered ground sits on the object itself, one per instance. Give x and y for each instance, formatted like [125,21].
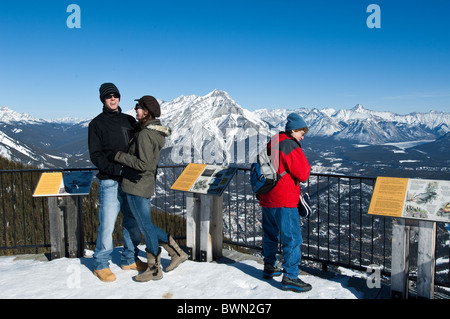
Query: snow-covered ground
[28,277]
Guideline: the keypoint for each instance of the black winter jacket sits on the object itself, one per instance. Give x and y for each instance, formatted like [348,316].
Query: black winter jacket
[109,133]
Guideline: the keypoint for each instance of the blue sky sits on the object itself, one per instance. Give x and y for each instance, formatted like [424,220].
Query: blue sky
[265,54]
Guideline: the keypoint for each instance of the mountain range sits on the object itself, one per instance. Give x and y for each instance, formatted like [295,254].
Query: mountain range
[215,129]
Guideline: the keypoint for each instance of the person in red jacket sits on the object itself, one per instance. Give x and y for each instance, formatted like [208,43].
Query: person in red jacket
[280,218]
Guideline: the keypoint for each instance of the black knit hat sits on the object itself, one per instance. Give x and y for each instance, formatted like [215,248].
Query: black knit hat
[108,88]
[151,104]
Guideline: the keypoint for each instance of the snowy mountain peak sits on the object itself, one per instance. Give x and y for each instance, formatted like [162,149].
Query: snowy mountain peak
[7,116]
[359,108]
[211,122]
[218,93]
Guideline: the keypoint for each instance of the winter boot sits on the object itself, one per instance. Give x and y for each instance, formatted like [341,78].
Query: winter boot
[153,271]
[177,255]
[271,271]
[138,265]
[295,285]
[105,275]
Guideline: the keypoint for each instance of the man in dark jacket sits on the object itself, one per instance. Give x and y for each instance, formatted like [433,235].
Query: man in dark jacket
[279,206]
[109,133]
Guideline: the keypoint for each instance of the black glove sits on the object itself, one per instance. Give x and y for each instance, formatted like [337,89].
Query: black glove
[131,174]
[111,155]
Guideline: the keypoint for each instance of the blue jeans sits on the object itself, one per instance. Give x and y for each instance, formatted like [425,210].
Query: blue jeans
[282,223]
[140,206]
[112,200]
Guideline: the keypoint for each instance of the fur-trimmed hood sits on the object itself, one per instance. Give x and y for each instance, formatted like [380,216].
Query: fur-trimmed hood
[164,130]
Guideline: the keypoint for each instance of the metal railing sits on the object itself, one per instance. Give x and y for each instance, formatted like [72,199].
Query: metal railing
[339,232]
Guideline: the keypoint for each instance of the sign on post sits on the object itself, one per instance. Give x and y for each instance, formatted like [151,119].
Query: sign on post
[427,201]
[205,185]
[63,192]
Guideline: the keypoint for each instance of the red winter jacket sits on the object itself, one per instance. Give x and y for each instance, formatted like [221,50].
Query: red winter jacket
[291,159]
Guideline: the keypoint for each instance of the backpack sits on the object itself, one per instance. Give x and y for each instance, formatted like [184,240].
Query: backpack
[263,174]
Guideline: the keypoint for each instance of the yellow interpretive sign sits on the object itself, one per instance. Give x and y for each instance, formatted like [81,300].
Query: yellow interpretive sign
[411,198]
[48,184]
[64,184]
[204,179]
[388,196]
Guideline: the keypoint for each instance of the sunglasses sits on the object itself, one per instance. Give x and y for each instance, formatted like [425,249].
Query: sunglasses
[137,107]
[109,96]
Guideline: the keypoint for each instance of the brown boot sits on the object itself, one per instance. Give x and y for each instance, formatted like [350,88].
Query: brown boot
[139,265]
[105,275]
[153,271]
[177,255]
